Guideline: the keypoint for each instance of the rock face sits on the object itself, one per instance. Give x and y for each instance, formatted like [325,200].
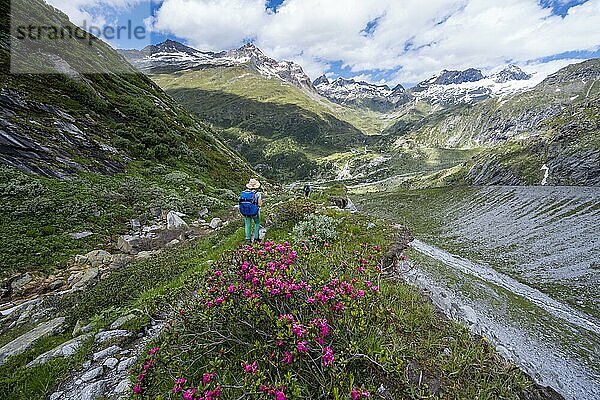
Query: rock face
[105,336]
[24,342]
[470,86]
[511,73]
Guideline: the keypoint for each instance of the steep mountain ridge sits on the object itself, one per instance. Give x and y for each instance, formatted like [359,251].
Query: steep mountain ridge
[453,109]
[86,152]
[174,56]
[278,128]
[362,94]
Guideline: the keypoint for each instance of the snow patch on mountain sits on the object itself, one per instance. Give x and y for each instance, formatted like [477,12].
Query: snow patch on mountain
[471,86]
[358,93]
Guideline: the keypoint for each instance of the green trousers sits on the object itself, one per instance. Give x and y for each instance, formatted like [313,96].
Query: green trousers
[248,221]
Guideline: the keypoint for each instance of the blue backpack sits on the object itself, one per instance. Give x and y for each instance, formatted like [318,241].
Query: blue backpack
[248,204]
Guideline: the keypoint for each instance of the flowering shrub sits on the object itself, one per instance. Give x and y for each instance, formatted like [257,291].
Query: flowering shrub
[266,322]
[316,228]
[292,211]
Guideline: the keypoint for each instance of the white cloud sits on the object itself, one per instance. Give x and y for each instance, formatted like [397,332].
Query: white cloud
[419,38]
[92,12]
[212,24]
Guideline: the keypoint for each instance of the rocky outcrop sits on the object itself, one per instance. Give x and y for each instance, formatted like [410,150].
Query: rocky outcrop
[66,349]
[106,373]
[362,94]
[26,341]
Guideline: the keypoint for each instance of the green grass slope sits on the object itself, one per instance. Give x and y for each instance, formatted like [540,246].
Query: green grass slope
[89,151]
[276,126]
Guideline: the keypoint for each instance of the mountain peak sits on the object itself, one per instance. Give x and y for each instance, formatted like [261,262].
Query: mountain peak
[169,46]
[449,77]
[510,73]
[360,93]
[321,80]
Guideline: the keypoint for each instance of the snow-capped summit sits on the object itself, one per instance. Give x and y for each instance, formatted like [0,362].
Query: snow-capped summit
[246,53]
[358,93]
[471,86]
[510,73]
[177,56]
[447,77]
[170,46]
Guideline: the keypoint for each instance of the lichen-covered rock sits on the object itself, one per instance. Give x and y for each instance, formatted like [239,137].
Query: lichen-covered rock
[92,374]
[87,277]
[119,322]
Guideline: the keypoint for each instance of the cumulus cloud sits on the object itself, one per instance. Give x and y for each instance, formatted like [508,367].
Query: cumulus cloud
[212,24]
[92,12]
[408,40]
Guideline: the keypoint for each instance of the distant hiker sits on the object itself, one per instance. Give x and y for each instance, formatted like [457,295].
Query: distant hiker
[250,202]
[307,190]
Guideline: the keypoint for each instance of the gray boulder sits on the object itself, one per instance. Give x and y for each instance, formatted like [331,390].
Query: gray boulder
[126,364]
[19,283]
[216,223]
[105,336]
[81,235]
[174,221]
[92,374]
[123,386]
[110,362]
[102,354]
[93,391]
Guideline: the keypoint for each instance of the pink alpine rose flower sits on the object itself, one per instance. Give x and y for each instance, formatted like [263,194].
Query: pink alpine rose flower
[327,356]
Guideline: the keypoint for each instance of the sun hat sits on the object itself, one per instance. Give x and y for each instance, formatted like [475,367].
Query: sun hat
[253,184]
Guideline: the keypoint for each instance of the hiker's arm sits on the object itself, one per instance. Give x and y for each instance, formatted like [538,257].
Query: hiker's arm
[259,202]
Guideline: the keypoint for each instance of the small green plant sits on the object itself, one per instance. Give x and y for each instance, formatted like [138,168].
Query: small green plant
[316,229]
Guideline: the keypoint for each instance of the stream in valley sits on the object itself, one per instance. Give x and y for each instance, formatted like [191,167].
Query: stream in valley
[518,265]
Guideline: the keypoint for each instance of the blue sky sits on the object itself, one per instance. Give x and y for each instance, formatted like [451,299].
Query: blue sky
[391,41]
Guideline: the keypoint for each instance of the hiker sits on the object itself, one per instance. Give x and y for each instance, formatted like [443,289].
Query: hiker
[250,202]
[307,190]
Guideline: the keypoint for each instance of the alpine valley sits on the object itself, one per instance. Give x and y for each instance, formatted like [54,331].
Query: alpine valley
[458,126]
[448,249]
